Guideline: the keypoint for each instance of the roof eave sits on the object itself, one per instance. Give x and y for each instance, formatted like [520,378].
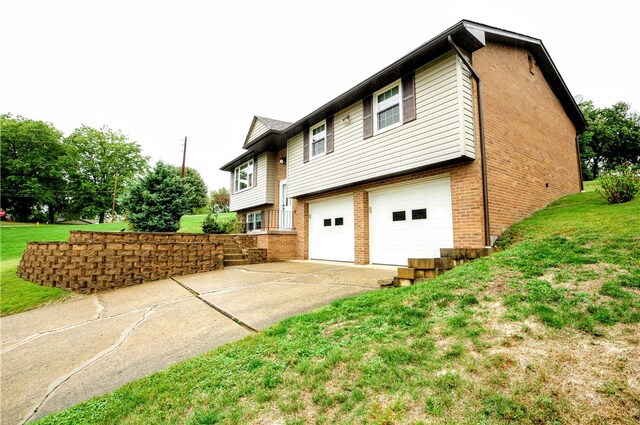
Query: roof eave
[271,141]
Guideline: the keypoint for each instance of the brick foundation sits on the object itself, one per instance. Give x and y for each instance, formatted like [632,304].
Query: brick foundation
[279,246]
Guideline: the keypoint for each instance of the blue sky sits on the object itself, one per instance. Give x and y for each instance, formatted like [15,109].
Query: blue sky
[160,71]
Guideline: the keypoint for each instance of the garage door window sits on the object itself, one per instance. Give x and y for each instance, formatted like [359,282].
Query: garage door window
[327,222]
[339,221]
[399,216]
[419,214]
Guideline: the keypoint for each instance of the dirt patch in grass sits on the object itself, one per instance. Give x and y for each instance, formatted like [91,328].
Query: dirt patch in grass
[579,372]
[329,330]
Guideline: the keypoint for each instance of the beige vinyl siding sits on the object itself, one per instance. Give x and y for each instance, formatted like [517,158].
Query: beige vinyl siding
[259,194]
[257,130]
[436,135]
[467,101]
[271,177]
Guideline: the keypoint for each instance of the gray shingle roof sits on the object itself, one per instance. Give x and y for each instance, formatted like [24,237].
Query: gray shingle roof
[274,124]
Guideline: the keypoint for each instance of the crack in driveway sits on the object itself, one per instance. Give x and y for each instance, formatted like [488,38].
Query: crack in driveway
[64,378]
[218,309]
[38,335]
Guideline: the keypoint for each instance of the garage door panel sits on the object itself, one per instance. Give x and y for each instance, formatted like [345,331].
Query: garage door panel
[393,242]
[331,230]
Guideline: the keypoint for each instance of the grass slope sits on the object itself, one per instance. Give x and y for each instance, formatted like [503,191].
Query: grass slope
[545,331]
[18,295]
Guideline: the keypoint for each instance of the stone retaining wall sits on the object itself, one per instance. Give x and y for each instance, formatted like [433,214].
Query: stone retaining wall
[243,241]
[100,265]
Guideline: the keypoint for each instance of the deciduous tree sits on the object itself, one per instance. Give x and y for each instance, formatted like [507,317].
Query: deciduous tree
[612,139]
[219,200]
[31,170]
[95,159]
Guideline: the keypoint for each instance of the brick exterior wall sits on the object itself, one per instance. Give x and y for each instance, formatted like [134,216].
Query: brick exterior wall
[94,266]
[361,223]
[530,141]
[279,246]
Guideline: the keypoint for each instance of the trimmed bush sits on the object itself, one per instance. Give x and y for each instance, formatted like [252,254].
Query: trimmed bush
[620,185]
[217,225]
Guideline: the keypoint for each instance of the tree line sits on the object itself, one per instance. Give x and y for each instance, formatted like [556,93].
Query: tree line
[45,175]
[612,138]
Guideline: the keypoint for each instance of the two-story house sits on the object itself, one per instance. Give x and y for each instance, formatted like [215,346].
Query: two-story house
[448,146]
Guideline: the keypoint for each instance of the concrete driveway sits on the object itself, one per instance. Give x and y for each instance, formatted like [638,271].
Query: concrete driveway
[56,356]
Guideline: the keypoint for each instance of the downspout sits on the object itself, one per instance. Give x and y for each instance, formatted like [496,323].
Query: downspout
[485,190]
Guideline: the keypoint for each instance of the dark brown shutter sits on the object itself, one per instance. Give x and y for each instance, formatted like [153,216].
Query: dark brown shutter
[367,119]
[408,98]
[305,145]
[329,134]
[255,172]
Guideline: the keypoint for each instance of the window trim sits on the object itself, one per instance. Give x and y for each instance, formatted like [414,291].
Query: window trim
[236,173]
[253,214]
[324,151]
[376,129]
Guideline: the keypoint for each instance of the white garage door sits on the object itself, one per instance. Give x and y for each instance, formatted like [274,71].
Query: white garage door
[412,221]
[331,231]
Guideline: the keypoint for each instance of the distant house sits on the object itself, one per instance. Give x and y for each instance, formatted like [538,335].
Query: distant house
[446,147]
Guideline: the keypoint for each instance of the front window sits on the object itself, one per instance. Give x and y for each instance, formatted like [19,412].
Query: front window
[254,221]
[318,140]
[243,177]
[387,108]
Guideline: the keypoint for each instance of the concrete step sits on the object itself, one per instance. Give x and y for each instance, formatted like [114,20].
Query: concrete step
[233,256]
[229,263]
[233,251]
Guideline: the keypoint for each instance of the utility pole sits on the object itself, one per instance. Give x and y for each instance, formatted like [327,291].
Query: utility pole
[184,156]
[113,204]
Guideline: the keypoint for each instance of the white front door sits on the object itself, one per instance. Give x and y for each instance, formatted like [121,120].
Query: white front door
[331,230]
[286,212]
[410,221]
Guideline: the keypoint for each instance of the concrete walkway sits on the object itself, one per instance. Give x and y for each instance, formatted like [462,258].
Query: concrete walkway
[56,356]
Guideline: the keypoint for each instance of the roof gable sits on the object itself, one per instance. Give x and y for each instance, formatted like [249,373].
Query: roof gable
[261,126]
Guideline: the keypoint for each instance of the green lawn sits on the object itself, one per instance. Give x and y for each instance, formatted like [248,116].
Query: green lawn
[18,295]
[193,223]
[544,331]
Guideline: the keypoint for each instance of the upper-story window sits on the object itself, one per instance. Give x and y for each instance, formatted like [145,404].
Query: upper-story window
[243,177]
[318,140]
[388,108]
